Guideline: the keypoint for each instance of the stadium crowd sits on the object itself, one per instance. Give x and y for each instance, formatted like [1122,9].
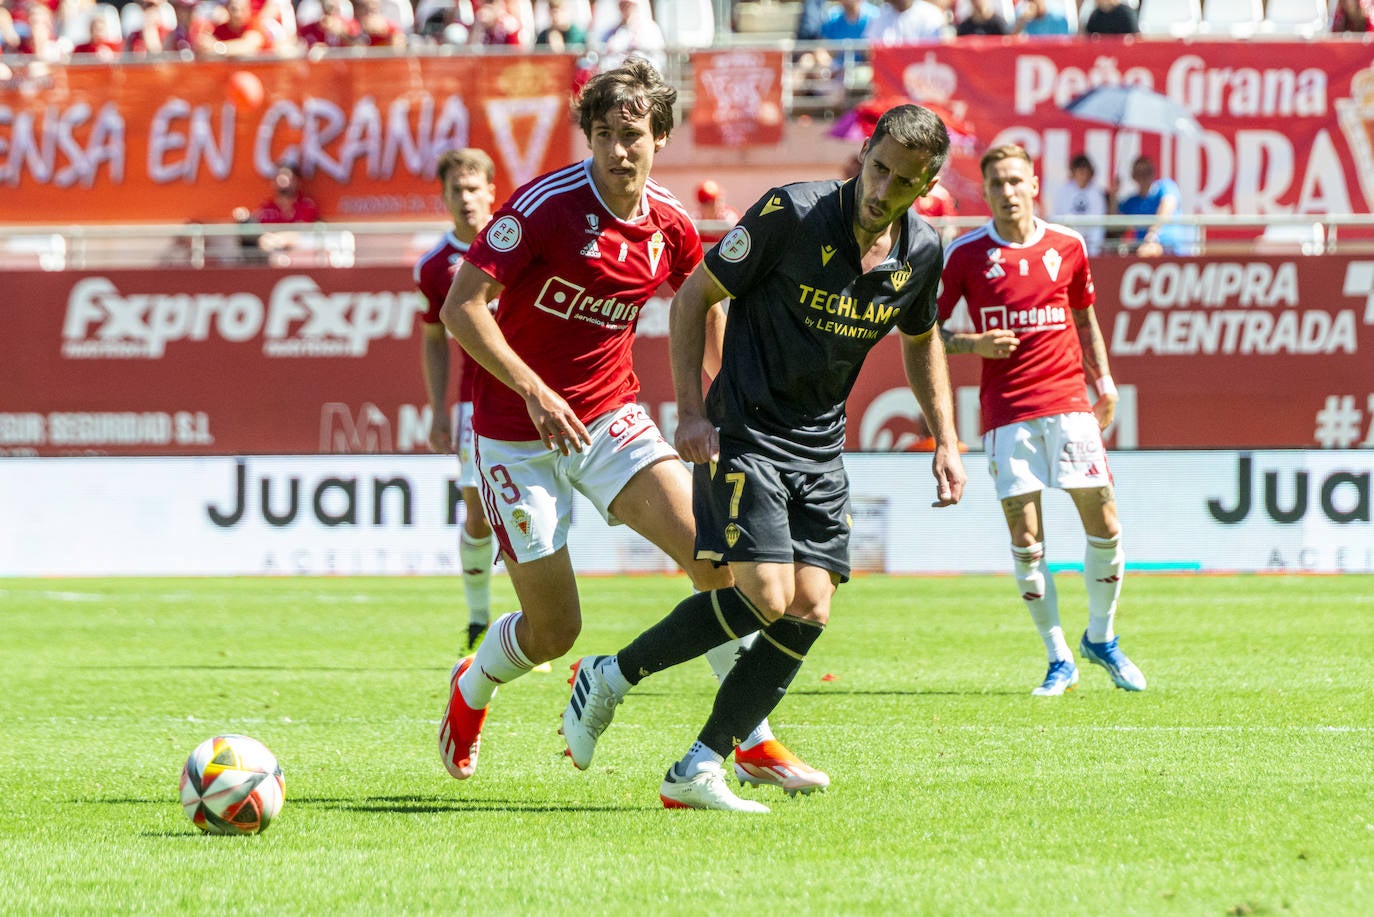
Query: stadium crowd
[59,30]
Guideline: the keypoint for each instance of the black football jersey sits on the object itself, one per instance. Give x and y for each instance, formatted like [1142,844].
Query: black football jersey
[803,316]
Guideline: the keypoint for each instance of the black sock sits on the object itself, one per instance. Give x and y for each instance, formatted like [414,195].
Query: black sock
[699,623]
[757,682]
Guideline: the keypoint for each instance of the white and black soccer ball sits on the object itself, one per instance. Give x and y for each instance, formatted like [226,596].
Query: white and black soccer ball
[232,784]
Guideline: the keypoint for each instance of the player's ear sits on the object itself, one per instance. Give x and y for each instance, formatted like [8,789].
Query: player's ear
[660,143]
[930,186]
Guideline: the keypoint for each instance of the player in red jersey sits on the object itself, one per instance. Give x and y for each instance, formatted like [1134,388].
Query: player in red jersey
[1029,293]
[467,178]
[573,256]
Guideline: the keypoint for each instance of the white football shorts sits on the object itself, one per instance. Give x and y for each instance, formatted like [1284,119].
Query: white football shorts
[1062,450]
[527,489]
[464,445]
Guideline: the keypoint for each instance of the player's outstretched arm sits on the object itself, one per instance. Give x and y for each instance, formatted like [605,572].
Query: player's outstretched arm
[696,439]
[468,319]
[923,357]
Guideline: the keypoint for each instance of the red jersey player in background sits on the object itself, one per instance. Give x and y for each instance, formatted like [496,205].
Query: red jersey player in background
[1030,297]
[467,178]
[574,255]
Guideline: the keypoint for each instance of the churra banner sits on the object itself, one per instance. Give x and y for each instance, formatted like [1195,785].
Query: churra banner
[738,98]
[183,141]
[1285,125]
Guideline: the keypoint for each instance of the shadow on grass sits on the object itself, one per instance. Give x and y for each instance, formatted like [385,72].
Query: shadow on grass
[421,805]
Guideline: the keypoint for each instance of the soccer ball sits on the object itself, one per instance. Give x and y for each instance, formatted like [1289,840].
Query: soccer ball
[232,784]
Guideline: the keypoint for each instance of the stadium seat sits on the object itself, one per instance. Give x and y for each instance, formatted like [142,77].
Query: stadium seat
[399,13]
[1170,18]
[1298,18]
[1085,9]
[49,251]
[1231,18]
[1292,239]
[768,17]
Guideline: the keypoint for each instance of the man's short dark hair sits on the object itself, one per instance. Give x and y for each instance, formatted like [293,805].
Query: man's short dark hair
[634,86]
[918,129]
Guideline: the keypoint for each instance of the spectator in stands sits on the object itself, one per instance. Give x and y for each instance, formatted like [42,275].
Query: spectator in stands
[711,197]
[983,19]
[1160,198]
[847,21]
[100,42]
[287,205]
[634,34]
[1111,17]
[564,32]
[9,35]
[1353,16]
[37,33]
[1036,17]
[239,35]
[1082,196]
[493,24]
[905,21]
[335,28]
[156,32]
[813,15]
[377,30]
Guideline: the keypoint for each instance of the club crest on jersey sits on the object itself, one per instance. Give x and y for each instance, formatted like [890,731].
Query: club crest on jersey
[1052,262]
[732,534]
[901,276]
[656,247]
[827,252]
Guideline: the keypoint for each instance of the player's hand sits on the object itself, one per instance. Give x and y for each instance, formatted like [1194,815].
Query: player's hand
[997,344]
[1104,409]
[441,432]
[949,476]
[697,439]
[558,426]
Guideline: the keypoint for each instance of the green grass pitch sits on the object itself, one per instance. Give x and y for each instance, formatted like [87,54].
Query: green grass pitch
[1239,783]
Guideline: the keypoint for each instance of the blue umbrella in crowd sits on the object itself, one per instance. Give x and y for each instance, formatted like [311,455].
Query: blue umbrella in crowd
[1136,108]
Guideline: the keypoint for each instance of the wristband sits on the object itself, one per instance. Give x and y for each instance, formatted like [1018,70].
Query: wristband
[1105,386]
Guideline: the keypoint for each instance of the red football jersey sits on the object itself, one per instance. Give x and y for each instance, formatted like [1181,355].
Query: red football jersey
[1029,288]
[575,278]
[433,276]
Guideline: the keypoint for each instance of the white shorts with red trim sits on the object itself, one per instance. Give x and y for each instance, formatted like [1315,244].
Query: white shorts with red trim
[527,489]
[1063,451]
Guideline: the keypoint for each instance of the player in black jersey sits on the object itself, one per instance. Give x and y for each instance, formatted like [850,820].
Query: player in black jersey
[818,273]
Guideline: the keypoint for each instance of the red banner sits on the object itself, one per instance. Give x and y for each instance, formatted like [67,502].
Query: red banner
[1285,125]
[1251,352]
[172,142]
[738,98]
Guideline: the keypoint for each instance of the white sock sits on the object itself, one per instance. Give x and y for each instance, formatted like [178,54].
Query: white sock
[615,679]
[697,755]
[722,660]
[1036,583]
[498,660]
[475,556]
[1104,565]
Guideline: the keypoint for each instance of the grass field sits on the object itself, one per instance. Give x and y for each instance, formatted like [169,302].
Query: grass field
[1239,783]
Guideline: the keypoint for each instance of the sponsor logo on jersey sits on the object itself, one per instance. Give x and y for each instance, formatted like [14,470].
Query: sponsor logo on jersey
[593,224]
[827,252]
[504,234]
[656,247]
[773,206]
[568,300]
[735,246]
[590,250]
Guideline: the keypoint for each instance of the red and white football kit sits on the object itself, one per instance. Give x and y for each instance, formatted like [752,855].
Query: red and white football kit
[433,277]
[1038,427]
[1030,289]
[575,278]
